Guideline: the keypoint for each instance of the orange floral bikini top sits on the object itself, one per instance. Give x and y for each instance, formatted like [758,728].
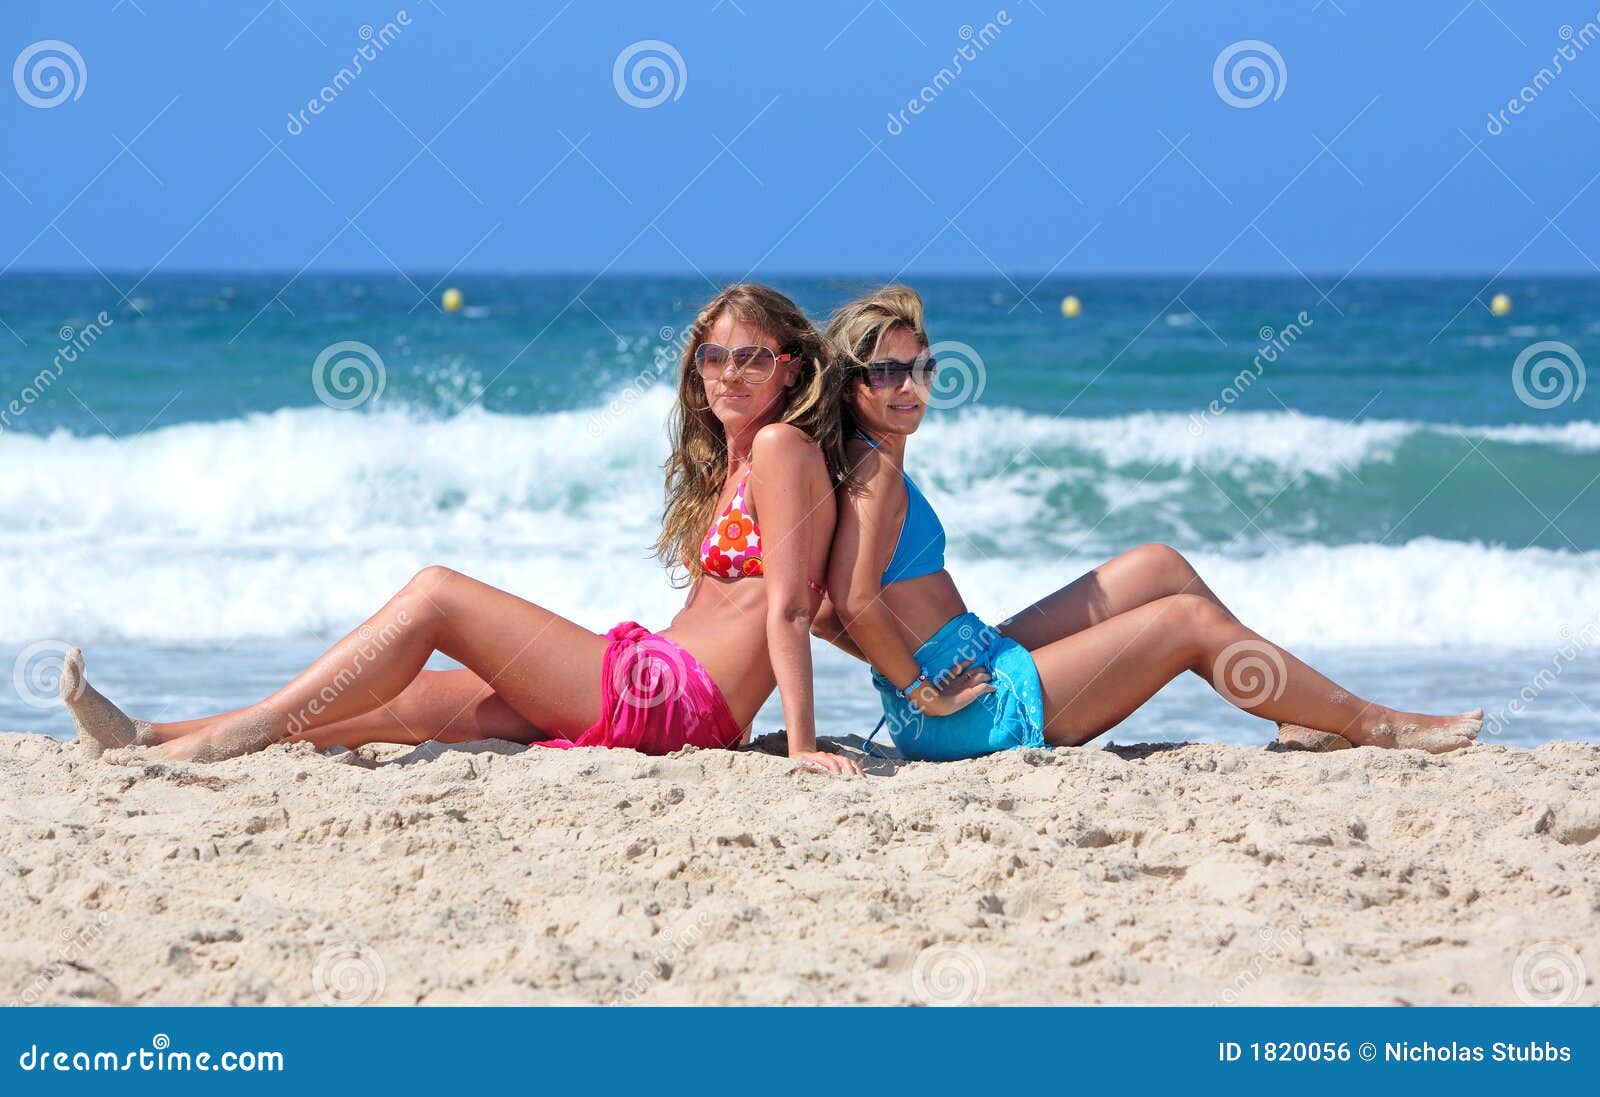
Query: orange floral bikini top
[732,550]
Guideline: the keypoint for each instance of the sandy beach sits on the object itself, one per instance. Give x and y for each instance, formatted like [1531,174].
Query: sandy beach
[487,874]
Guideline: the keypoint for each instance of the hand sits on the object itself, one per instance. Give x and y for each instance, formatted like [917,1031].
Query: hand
[838,764]
[959,687]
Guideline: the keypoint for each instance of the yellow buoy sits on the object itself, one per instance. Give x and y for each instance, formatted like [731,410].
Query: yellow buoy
[451,300]
[1501,305]
[1071,307]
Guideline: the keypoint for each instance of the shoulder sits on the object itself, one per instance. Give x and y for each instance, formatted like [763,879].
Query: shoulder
[877,477]
[780,438]
[783,446]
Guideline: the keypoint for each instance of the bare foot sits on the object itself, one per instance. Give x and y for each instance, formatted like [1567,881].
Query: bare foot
[102,726]
[1296,737]
[1414,731]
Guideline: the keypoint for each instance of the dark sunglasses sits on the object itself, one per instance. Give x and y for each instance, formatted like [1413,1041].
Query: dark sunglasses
[753,364]
[891,374]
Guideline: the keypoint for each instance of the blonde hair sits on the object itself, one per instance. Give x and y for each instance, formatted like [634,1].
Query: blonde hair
[698,464]
[858,327]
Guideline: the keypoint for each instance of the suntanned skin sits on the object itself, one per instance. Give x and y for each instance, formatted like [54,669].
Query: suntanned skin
[1104,644]
[532,674]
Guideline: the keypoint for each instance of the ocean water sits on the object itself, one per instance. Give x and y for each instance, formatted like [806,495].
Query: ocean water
[1373,478]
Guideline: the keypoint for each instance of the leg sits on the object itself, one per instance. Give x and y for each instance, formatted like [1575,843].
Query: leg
[1127,582]
[452,706]
[1095,678]
[545,668]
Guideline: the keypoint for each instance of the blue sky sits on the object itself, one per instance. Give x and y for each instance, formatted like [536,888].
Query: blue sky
[1079,138]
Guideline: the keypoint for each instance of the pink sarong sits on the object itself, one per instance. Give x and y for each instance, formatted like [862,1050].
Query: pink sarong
[655,698]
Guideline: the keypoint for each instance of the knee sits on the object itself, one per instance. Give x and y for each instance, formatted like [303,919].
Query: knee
[1164,560]
[425,593]
[1195,615]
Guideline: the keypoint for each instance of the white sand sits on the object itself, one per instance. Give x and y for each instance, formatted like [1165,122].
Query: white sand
[488,874]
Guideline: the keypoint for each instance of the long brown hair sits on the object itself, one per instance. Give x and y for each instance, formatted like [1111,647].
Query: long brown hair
[699,461]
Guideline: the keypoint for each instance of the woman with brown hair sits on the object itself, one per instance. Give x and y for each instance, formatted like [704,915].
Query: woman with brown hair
[1068,667]
[750,512]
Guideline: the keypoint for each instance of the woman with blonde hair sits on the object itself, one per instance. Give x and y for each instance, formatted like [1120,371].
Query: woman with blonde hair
[750,513]
[1068,667]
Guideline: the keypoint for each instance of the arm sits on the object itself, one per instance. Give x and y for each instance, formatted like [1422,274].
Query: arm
[826,625]
[869,522]
[869,526]
[791,482]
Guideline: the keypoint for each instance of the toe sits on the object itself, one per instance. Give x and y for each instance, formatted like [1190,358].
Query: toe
[72,675]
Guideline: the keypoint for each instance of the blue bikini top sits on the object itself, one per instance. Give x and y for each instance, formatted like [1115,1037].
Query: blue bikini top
[920,549]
